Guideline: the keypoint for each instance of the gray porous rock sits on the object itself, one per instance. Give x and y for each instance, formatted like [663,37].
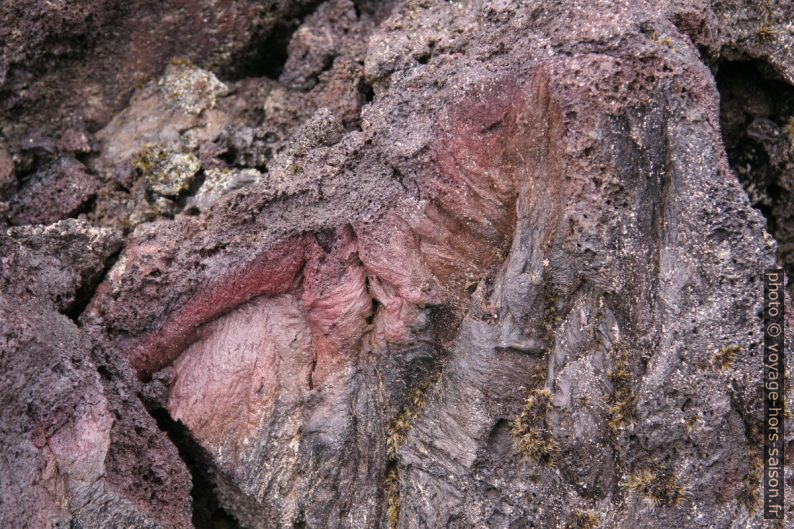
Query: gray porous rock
[403,264]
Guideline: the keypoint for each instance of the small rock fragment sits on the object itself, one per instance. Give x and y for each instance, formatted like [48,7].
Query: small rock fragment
[56,259]
[322,129]
[76,141]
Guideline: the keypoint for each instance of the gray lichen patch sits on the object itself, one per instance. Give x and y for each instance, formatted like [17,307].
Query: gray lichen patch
[191,88]
[167,173]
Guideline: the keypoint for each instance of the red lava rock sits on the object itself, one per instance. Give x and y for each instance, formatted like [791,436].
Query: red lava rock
[270,274]
[337,304]
[231,379]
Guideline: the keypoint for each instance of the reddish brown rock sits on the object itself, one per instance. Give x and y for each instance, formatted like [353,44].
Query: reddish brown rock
[81,450]
[270,274]
[59,192]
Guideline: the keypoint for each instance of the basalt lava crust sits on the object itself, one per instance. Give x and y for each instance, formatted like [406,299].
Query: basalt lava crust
[296,322]
[395,265]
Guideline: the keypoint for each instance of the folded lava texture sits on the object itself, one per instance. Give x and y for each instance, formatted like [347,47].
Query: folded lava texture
[402,264]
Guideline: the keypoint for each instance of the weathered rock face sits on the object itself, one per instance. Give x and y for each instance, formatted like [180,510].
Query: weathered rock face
[478,264]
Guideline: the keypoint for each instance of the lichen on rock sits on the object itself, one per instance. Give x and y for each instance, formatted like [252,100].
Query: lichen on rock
[167,172]
[190,88]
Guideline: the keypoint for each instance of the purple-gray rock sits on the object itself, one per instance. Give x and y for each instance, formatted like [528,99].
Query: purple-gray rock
[406,264]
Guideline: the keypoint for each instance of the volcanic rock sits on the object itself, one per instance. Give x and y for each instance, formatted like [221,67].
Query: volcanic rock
[431,265]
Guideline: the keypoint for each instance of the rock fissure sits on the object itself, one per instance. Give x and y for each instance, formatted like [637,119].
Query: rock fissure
[208,512]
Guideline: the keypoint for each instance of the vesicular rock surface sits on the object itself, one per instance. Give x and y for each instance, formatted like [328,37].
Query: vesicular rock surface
[391,264]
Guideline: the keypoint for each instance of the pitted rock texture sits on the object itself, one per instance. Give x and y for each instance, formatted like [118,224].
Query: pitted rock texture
[398,265]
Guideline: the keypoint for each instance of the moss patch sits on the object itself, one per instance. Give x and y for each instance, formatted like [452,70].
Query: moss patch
[725,357]
[660,487]
[393,497]
[531,436]
[622,409]
[766,31]
[397,432]
[749,493]
[583,520]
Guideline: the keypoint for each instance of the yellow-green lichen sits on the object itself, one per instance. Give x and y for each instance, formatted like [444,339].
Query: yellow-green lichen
[190,88]
[664,40]
[167,172]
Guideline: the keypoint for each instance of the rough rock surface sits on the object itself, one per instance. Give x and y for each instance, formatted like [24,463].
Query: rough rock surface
[391,265]
[79,448]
